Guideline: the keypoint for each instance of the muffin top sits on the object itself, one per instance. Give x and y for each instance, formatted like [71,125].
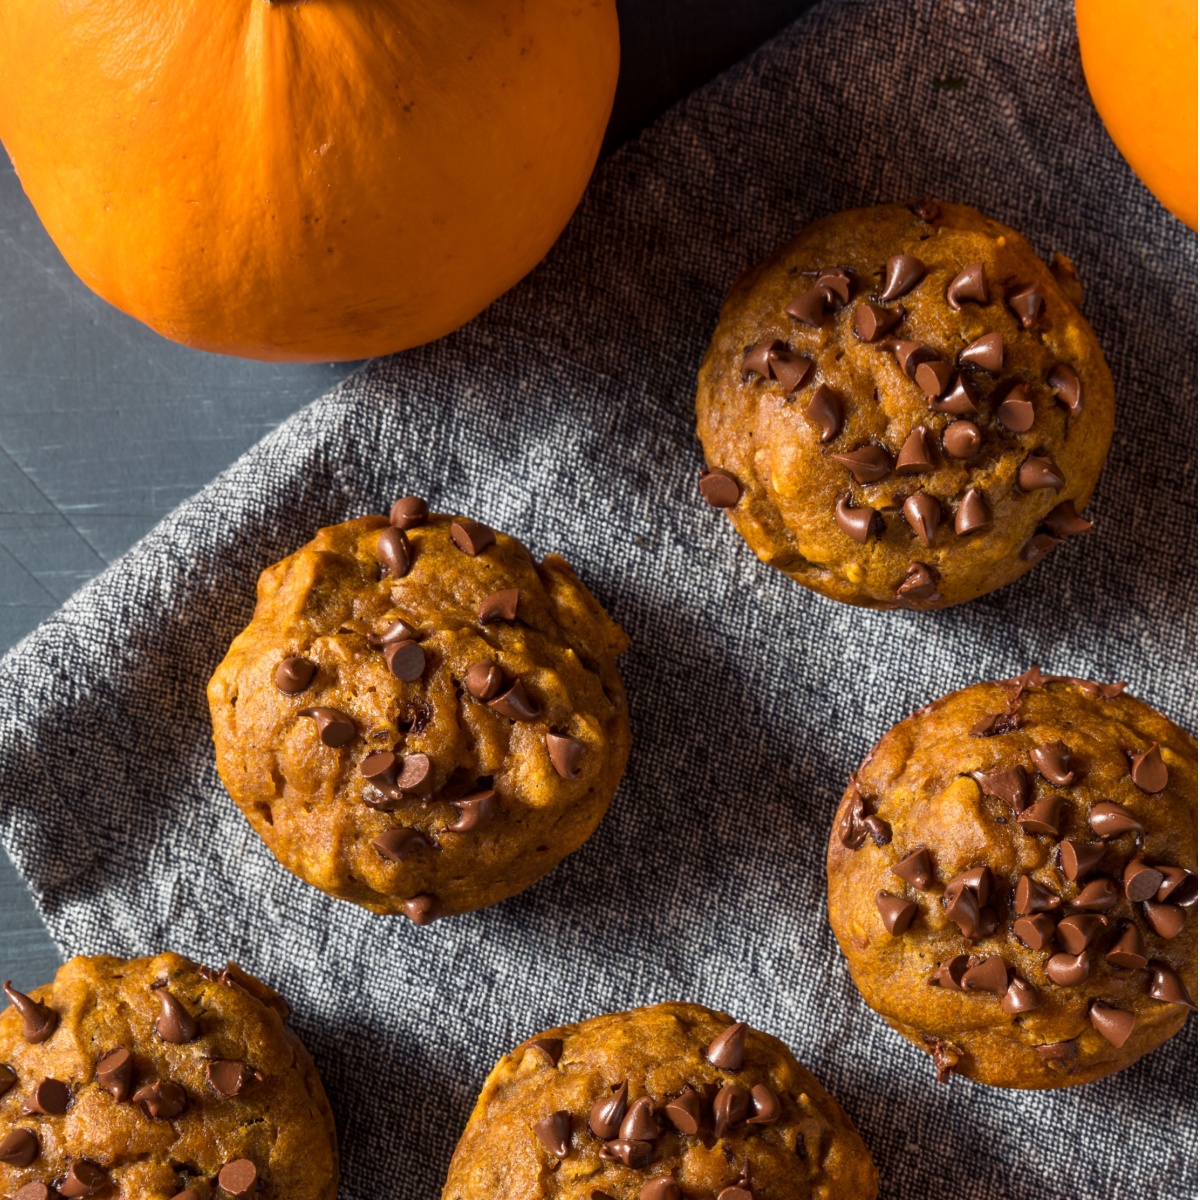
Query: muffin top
[154,1078]
[419,717]
[904,407]
[1012,872]
[659,1103]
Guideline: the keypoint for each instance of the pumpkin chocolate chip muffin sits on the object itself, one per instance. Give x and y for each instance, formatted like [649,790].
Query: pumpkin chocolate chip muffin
[672,1102]
[904,408]
[157,1079]
[420,718]
[1012,875]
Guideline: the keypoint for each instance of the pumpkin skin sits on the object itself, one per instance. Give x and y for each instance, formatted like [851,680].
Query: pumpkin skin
[1139,58]
[306,179]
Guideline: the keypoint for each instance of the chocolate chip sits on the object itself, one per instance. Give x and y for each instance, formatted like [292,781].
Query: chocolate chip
[294,674]
[972,514]
[1038,547]
[661,1188]
[422,909]
[639,1124]
[991,975]
[475,811]
[1043,816]
[731,1106]
[554,1132]
[628,1153]
[1058,1056]
[334,728]
[1077,932]
[408,512]
[1067,388]
[757,360]
[405,660]
[549,1048]
[1167,920]
[394,552]
[855,824]
[919,584]
[910,355]
[685,1112]
[728,1049]
[472,537]
[1019,998]
[960,400]
[790,369]
[50,1097]
[824,410]
[764,1105]
[1067,970]
[7,1078]
[1016,410]
[500,606]
[1104,691]
[962,439]
[1027,303]
[515,703]
[855,522]
[933,377]
[970,284]
[239,1177]
[161,1099]
[174,1023]
[1034,932]
[1178,886]
[1108,820]
[483,680]
[946,1056]
[868,464]
[608,1112]
[902,273]
[1055,763]
[950,974]
[871,321]
[380,768]
[228,1077]
[836,281]
[34,1191]
[83,1178]
[995,725]
[915,868]
[735,1193]
[719,488]
[1112,1024]
[394,631]
[566,753]
[810,307]
[923,514]
[1039,471]
[986,353]
[1010,784]
[1033,897]
[1064,522]
[917,452]
[897,913]
[962,907]
[19,1148]
[39,1020]
[1098,896]
[1165,985]
[1128,952]
[1148,770]
[114,1073]
[187,1194]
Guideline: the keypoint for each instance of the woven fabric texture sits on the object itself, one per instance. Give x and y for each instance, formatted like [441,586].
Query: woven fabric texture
[564,415]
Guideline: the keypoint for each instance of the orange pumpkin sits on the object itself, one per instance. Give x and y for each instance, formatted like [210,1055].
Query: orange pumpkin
[1139,57]
[305,179]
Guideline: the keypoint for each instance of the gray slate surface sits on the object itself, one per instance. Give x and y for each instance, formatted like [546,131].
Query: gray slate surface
[564,416]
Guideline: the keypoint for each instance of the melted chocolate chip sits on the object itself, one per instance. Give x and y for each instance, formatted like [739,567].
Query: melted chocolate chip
[923,514]
[1108,820]
[731,1106]
[661,1188]
[1055,763]
[857,523]
[639,1124]
[515,703]
[960,400]
[1038,547]
[1148,771]
[228,1077]
[1010,784]
[920,584]
[19,1148]
[1027,303]
[500,606]
[83,1178]
[483,680]
[1043,816]
[824,410]
[764,1105]
[566,753]
[1039,471]
[608,1112]
[239,1177]
[901,274]
[719,488]
[868,464]
[1019,998]
[475,811]
[810,307]
[1067,388]
[1067,970]
[990,975]
[174,1023]
[472,537]
[549,1048]
[50,1097]
[1064,522]
[334,728]
[161,1099]
[394,552]
[39,1021]
[628,1153]
[422,909]
[915,868]
[554,1133]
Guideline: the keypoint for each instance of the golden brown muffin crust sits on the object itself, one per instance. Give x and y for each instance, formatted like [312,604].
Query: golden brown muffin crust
[792,1143]
[227,1028]
[971,779]
[473,785]
[771,429]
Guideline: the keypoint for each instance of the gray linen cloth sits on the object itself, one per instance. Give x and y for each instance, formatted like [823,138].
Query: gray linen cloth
[564,415]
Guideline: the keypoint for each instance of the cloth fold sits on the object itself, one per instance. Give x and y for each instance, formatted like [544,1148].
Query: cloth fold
[564,415]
